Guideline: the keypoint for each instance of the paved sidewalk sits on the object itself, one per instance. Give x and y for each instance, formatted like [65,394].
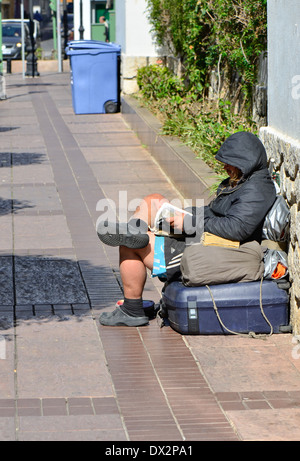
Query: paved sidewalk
[62,375]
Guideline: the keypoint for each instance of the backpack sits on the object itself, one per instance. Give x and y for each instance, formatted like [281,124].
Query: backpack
[277,221]
[274,240]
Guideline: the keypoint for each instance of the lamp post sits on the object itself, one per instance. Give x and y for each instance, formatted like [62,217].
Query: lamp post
[31,70]
[53,6]
[2,79]
[58,25]
[81,28]
[1,56]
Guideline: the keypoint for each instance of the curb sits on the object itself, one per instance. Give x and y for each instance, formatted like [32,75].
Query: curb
[190,175]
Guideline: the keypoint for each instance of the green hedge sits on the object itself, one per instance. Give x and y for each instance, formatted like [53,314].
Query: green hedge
[205,34]
[201,124]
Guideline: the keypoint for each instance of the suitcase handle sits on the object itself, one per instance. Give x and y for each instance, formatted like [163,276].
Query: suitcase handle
[251,334]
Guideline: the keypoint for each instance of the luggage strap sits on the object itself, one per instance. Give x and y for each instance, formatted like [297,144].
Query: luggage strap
[251,334]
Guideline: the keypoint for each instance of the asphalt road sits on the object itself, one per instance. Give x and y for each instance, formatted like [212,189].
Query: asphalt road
[47,39]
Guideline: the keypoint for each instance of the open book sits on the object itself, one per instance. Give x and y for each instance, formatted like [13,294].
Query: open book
[161,226]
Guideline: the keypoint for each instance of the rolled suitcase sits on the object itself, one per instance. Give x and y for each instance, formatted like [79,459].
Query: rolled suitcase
[226,309]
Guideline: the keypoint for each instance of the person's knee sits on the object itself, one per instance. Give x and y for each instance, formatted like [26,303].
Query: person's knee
[154,196]
[149,206]
[153,203]
[154,200]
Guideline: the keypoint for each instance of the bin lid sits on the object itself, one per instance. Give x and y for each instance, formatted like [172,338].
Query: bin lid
[92,45]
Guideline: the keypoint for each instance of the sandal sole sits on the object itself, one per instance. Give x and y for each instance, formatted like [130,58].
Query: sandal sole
[127,240]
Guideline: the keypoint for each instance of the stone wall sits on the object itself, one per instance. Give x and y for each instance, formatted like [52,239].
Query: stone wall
[286,153]
[129,68]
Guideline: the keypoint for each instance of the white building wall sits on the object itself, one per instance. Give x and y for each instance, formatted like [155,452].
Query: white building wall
[86,19]
[120,9]
[284,66]
[133,34]
[133,31]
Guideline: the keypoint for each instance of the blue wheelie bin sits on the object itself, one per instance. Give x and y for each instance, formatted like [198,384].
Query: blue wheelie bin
[95,76]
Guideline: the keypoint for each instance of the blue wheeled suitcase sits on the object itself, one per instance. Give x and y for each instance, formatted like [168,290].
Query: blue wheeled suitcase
[227,308]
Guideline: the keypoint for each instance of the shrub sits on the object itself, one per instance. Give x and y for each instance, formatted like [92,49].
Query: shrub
[201,124]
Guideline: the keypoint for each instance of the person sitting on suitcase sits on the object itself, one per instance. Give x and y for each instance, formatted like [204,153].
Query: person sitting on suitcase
[237,213]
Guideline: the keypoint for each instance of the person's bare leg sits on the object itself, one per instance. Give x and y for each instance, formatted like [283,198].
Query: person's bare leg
[136,254]
[133,264]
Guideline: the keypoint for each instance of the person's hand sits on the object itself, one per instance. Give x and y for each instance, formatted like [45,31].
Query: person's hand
[176,221]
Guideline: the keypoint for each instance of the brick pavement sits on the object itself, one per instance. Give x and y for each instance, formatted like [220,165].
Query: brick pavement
[62,375]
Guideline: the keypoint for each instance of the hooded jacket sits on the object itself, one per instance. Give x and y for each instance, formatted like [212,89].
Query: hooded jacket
[237,213]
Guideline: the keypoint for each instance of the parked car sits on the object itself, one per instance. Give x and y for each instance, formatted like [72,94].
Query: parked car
[12,39]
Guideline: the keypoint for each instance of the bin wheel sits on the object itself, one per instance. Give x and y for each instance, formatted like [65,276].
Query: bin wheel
[111,107]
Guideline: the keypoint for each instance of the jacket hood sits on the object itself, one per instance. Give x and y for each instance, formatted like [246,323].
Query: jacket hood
[245,151]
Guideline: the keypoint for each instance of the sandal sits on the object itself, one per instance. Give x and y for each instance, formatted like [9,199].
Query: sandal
[121,234]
